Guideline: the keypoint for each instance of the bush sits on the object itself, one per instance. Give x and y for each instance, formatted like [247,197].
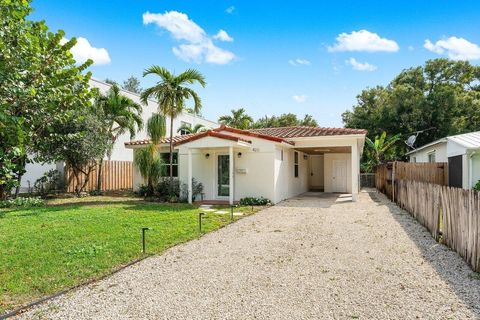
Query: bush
[255,201]
[142,190]
[51,181]
[23,202]
[166,192]
[197,189]
[477,186]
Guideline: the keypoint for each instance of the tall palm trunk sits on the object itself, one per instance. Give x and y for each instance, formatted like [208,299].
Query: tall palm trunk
[171,156]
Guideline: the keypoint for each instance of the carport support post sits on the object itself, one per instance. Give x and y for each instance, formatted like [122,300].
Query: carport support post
[355,171]
[190,196]
[230,172]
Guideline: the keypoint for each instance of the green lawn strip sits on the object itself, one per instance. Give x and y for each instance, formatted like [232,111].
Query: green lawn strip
[45,250]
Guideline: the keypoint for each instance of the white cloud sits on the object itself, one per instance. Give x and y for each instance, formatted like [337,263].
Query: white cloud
[222,35]
[198,46]
[230,9]
[83,50]
[300,98]
[299,62]
[360,66]
[363,40]
[455,48]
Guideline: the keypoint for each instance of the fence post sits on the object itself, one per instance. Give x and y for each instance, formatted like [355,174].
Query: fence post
[393,180]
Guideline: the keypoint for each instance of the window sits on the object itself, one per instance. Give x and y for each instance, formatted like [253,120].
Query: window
[184,124]
[166,164]
[414,159]
[431,156]
[295,165]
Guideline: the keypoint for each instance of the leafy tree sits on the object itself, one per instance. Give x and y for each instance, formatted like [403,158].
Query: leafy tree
[285,120]
[40,84]
[379,150]
[188,129]
[80,143]
[171,92]
[148,160]
[442,94]
[112,82]
[118,114]
[132,84]
[238,119]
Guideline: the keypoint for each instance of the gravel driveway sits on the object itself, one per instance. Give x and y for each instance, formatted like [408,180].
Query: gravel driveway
[306,258]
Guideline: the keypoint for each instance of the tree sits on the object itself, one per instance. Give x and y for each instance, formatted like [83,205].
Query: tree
[238,119]
[80,143]
[148,160]
[379,150]
[40,84]
[285,120]
[112,82]
[442,95]
[171,92]
[132,84]
[118,114]
[189,130]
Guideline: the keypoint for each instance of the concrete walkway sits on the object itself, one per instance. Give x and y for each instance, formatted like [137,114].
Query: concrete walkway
[307,258]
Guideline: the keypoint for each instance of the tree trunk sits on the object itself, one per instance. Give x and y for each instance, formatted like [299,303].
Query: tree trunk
[100,175]
[171,156]
[17,189]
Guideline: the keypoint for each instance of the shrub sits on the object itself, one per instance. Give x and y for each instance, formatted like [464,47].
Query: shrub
[477,186]
[51,181]
[197,189]
[23,202]
[142,190]
[255,201]
[163,190]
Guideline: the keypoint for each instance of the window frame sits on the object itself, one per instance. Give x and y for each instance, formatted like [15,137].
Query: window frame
[165,156]
[295,164]
[432,156]
[184,123]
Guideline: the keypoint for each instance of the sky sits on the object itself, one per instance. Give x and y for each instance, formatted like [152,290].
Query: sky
[269,57]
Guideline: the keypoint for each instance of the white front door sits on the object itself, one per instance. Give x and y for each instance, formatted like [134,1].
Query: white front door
[339,177]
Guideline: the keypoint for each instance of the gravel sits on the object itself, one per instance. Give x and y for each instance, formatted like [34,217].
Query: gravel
[306,258]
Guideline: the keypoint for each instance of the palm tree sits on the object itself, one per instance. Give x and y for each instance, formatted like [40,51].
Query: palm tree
[148,160]
[189,130]
[379,149]
[119,115]
[171,92]
[239,119]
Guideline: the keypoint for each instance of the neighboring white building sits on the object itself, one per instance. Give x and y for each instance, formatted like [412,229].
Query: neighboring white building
[462,152]
[276,163]
[36,170]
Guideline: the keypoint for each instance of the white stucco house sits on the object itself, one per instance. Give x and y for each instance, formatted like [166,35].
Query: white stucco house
[462,152]
[36,170]
[276,163]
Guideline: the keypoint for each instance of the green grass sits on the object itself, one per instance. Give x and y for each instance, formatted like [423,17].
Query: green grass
[45,250]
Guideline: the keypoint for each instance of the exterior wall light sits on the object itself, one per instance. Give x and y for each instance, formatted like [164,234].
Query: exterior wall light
[305,157]
[207,155]
[239,154]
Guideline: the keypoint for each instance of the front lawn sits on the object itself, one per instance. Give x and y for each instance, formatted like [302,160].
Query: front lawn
[45,250]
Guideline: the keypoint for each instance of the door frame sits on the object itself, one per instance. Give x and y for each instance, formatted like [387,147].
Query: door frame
[334,180]
[215,191]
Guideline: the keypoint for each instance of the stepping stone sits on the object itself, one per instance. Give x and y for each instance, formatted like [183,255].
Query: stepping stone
[221,212]
[207,210]
[238,213]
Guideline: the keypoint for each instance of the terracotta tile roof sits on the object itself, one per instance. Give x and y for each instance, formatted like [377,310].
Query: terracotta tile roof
[301,131]
[272,134]
[178,140]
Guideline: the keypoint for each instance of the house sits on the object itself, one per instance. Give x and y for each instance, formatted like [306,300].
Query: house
[462,152]
[276,163]
[36,170]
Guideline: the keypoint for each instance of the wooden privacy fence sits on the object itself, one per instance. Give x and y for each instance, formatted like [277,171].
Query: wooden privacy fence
[389,173]
[116,175]
[452,215]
